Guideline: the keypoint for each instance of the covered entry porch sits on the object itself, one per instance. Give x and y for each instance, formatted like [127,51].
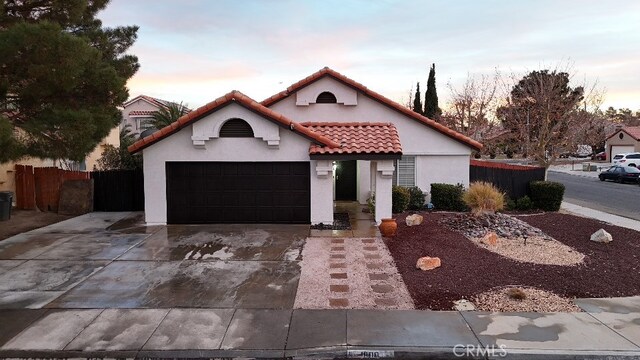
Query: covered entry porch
[333,186]
[361,168]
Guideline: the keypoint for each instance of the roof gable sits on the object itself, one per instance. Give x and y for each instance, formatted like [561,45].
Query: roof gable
[232,97]
[633,131]
[375,96]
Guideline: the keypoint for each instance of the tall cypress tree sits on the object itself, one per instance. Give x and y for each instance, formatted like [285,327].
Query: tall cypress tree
[417,102]
[431,109]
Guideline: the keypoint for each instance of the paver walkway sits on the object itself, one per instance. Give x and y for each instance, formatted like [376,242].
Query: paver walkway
[350,273]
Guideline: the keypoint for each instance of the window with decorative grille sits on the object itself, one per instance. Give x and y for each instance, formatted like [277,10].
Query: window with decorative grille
[405,174]
[236,128]
[326,98]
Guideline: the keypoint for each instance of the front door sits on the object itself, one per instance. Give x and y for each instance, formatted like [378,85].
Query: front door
[346,178]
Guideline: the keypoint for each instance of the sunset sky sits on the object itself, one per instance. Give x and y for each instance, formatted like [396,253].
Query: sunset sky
[195,51]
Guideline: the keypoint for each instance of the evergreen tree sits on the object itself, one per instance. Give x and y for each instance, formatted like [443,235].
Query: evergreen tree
[417,104]
[431,109]
[63,77]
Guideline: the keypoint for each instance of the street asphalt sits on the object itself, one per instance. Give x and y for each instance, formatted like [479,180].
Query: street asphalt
[607,196]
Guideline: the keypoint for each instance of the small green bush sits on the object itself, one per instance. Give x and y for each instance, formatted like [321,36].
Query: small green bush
[416,198]
[447,197]
[524,203]
[546,195]
[509,204]
[399,199]
[371,204]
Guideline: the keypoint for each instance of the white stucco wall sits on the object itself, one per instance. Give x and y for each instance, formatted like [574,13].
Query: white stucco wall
[439,169]
[439,158]
[309,94]
[179,147]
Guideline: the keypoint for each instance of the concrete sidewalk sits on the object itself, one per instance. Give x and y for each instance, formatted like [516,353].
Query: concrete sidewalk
[609,329]
[576,169]
[600,215]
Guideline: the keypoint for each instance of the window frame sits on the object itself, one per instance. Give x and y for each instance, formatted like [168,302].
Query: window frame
[396,173]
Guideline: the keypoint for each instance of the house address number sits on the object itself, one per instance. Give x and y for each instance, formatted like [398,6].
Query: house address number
[370,354]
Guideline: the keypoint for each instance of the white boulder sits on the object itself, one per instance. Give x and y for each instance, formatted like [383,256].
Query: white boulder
[413,220]
[601,236]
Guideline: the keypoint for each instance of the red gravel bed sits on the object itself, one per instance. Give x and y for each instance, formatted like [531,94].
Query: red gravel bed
[609,270]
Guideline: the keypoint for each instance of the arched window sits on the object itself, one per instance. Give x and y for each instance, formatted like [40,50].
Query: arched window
[326,98]
[236,128]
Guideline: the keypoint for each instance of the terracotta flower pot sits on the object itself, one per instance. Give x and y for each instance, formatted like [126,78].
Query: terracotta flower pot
[388,227]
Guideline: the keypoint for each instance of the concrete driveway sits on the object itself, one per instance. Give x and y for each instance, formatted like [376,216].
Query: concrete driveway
[111,260]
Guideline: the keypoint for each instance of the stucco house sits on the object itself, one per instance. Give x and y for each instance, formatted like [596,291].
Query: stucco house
[137,112]
[288,158]
[623,140]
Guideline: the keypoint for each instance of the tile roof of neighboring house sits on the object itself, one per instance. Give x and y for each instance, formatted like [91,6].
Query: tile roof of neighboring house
[357,138]
[141,112]
[241,99]
[154,101]
[633,131]
[374,95]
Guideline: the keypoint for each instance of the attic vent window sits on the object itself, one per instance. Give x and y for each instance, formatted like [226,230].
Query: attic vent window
[236,128]
[326,98]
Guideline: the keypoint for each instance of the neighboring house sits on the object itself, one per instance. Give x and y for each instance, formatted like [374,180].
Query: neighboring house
[623,140]
[113,139]
[286,159]
[137,113]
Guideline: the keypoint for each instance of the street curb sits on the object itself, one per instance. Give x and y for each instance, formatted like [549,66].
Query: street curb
[337,352]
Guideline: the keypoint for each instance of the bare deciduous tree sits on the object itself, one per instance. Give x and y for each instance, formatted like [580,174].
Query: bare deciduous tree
[471,106]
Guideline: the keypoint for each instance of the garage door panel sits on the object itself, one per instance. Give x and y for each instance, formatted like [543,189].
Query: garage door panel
[621,149]
[223,192]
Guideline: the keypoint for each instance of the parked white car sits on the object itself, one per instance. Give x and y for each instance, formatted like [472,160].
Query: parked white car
[629,159]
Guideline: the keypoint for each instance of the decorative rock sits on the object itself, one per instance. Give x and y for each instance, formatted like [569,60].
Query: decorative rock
[601,236]
[428,263]
[413,220]
[463,305]
[490,239]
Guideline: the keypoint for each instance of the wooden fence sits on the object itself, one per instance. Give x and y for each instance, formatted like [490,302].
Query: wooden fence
[40,187]
[118,190]
[512,179]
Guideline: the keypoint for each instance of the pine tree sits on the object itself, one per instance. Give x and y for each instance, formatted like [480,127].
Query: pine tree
[63,77]
[431,109]
[417,104]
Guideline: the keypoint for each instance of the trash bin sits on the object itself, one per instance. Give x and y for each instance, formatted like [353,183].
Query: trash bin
[6,198]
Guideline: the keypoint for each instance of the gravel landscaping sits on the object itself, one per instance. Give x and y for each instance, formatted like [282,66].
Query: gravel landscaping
[533,300]
[515,239]
[608,270]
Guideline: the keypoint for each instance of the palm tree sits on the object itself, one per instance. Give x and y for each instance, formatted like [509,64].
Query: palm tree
[167,115]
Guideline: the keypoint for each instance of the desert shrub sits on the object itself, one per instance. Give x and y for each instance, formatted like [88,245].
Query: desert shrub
[416,198]
[483,198]
[399,199]
[524,203]
[546,195]
[516,294]
[447,197]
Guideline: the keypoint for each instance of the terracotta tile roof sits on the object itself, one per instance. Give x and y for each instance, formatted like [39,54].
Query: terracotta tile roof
[633,131]
[141,112]
[357,138]
[374,95]
[239,98]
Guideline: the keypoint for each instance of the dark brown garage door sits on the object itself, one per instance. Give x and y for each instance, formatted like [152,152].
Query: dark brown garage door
[238,192]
